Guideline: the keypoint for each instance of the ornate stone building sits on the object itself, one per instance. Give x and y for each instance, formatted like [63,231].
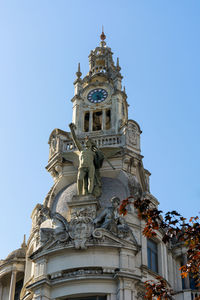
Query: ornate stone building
[79,247]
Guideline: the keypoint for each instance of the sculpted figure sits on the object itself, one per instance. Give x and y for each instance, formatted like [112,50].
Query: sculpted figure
[90,161]
[108,218]
[111,220]
[58,229]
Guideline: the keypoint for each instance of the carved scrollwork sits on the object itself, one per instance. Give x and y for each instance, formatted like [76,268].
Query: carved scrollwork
[80,230]
[132,134]
[97,233]
[83,212]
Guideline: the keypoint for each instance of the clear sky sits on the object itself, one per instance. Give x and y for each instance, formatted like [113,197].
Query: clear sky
[42,41]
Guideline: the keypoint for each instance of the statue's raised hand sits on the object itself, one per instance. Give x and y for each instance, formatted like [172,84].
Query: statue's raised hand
[72,126]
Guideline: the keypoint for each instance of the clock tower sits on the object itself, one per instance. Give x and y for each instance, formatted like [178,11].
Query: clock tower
[99,104]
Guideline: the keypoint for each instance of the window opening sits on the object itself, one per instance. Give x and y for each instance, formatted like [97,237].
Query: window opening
[18,288]
[152,255]
[97,120]
[86,121]
[108,119]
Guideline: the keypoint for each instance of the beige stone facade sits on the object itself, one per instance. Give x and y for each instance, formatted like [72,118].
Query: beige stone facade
[79,247]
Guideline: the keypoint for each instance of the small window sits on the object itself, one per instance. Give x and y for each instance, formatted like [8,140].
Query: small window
[86,121]
[152,255]
[97,120]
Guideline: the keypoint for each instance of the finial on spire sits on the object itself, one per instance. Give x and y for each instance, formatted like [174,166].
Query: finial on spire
[23,245]
[103,36]
[124,90]
[118,67]
[78,73]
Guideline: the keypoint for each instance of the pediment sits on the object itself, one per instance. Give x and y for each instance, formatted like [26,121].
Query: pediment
[104,237]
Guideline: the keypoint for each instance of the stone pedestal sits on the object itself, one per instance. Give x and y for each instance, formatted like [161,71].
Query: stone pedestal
[83,210]
[83,206]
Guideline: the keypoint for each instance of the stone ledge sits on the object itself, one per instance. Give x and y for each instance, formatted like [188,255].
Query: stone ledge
[83,200]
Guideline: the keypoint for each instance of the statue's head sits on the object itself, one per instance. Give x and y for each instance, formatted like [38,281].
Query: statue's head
[89,143]
[115,201]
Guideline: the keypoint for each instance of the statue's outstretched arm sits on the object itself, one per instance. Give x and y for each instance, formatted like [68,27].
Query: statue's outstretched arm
[75,140]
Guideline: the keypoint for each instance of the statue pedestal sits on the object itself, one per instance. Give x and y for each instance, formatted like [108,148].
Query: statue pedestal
[83,206]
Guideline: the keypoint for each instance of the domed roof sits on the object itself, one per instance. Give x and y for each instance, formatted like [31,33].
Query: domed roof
[19,253]
[110,187]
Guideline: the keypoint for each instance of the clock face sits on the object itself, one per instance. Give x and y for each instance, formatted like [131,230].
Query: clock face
[97,95]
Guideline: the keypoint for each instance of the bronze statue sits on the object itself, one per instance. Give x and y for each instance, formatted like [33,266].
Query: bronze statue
[90,162]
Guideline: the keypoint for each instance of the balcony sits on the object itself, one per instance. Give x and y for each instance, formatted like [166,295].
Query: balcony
[60,144]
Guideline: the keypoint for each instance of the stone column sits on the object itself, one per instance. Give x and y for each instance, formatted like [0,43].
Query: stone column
[12,285]
[103,127]
[117,116]
[91,121]
[1,291]
[187,279]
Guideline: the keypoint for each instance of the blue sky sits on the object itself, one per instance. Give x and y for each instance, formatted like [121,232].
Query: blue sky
[42,41]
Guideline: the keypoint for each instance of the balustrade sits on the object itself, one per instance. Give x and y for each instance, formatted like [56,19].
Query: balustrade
[109,141]
[61,145]
[194,295]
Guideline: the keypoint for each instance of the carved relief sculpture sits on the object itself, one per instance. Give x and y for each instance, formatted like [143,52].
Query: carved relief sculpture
[110,219]
[80,230]
[57,230]
[132,134]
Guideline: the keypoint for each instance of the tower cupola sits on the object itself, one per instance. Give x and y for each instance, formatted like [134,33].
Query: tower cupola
[99,104]
[101,61]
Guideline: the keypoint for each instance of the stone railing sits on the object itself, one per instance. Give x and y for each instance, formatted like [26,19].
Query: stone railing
[61,145]
[106,141]
[187,295]
[98,69]
[195,294]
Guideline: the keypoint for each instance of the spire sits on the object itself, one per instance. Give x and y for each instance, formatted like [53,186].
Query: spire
[23,245]
[102,37]
[78,73]
[118,67]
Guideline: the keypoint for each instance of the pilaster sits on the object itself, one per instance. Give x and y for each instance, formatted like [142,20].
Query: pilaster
[104,120]
[126,289]
[91,121]
[42,294]
[12,285]
[186,280]
[41,269]
[1,291]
